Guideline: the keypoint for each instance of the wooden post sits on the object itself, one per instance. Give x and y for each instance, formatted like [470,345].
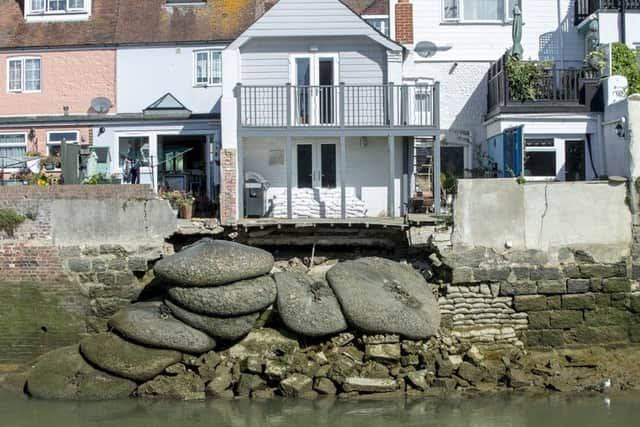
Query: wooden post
[391,187]
[288,154]
[343,176]
[436,174]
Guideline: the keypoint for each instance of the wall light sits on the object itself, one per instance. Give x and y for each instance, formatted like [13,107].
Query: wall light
[364,141]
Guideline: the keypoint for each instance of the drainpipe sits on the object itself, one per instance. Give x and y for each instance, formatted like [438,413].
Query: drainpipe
[560,35]
[623,22]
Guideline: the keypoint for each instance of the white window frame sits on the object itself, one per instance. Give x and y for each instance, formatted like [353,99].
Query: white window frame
[22,60]
[210,55]
[557,149]
[506,19]
[379,17]
[14,145]
[46,11]
[58,143]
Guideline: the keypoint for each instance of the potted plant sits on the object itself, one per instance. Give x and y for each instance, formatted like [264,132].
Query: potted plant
[51,162]
[185,205]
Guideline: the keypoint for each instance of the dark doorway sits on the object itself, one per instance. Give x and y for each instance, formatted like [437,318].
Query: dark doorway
[575,161]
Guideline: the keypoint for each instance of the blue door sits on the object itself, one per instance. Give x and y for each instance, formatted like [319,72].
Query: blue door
[513,145]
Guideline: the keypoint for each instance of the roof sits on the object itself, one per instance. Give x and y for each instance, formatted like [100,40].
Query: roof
[114,22]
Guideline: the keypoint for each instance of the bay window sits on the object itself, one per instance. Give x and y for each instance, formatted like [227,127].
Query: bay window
[23,74]
[479,10]
[207,68]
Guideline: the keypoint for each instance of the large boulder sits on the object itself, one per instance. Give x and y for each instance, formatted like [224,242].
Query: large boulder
[381,296]
[120,357]
[235,299]
[308,307]
[152,324]
[226,328]
[211,262]
[184,386]
[63,374]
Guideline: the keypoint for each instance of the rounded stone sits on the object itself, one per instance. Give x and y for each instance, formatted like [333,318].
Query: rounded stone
[211,262]
[120,357]
[63,374]
[152,324]
[226,328]
[381,296]
[235,299]
[308,307]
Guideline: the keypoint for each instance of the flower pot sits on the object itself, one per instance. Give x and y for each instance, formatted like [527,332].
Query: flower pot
[186,211]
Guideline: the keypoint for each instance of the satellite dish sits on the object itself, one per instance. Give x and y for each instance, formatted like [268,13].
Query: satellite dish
[427,49]
[101,104]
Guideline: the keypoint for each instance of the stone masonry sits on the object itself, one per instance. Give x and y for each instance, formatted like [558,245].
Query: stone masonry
[229,186]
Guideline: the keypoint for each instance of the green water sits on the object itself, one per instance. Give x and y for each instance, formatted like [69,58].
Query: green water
[496,411]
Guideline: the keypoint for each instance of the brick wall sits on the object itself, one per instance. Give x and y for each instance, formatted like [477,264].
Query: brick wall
[404,22]
[228,195]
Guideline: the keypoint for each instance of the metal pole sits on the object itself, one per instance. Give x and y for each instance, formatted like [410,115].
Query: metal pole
[289,166]
[436,175]
[343,175]
[391,187]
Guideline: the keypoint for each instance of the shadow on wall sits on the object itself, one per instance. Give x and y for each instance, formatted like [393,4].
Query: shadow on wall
[550,44]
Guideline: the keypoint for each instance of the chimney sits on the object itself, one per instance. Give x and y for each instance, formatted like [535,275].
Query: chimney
[404,22]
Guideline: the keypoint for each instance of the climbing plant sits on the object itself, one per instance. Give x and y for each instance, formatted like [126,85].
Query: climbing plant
[10,220]
[525,79]
[625,63]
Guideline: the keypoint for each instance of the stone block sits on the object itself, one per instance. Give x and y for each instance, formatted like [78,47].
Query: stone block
[470,373]
[634,333]
[595,284]
[79,265]
[620,300]
[99,265]
[600,270]
[70,251]
[616,284]
[565,319]
[572,271]
[518,288]
[546,273]
[325,386]
[634,303]
[551,287]
[382,351]
[530,303]
[461,275]
[578,286]
[539,320]
[597,335]
[410,360]
[551,338]
[602,300]
[296,385]
[554,302]
[578,302]
[117,264]
[532,338]
[138,264]
[607,317]
[522,273]
[369,385]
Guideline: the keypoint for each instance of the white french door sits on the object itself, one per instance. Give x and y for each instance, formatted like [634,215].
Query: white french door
[314,78]
[315,164]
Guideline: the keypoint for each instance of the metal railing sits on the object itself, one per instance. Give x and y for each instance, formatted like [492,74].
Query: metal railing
[584,8]
[556,86]
[385,105]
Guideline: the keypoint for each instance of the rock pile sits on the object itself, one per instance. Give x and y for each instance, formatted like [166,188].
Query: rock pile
[216,291]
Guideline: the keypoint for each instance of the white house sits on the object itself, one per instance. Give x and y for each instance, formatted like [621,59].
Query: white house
[316,113]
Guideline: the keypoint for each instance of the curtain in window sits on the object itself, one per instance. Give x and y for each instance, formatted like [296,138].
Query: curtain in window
[451,9]
[76,4]
[483,10]
[57,4]
[37,5]
[15,75]
[11,157]
[32,74]
[216,67]
[202,67]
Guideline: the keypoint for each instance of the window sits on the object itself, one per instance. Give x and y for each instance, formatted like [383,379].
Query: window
[479,10]
[133,148]
[54,141]
[540,157]
[379,23]
[207,67]
[57,6]
[24,74]
[13,146]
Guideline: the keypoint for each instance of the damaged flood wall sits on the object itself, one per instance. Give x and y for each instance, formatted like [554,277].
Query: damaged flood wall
[82,252]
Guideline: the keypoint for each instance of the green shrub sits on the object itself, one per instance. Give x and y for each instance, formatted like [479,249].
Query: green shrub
[625,63]
[10,220]
[525,79]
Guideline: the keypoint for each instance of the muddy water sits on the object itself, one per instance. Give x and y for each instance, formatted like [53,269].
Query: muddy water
[496,411]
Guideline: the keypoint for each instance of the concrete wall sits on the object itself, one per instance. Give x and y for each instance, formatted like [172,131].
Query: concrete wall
[68,78]
[501,213]
[147,73]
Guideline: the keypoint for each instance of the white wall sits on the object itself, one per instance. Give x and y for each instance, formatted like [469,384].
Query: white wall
[542,216]
[146,73]
[609,27]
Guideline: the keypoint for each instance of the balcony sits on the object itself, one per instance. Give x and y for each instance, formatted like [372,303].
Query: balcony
[317,108]
[584,8]
[557,91]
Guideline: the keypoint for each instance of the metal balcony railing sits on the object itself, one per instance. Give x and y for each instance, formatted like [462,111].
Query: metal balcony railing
[385,105]
[584,8]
